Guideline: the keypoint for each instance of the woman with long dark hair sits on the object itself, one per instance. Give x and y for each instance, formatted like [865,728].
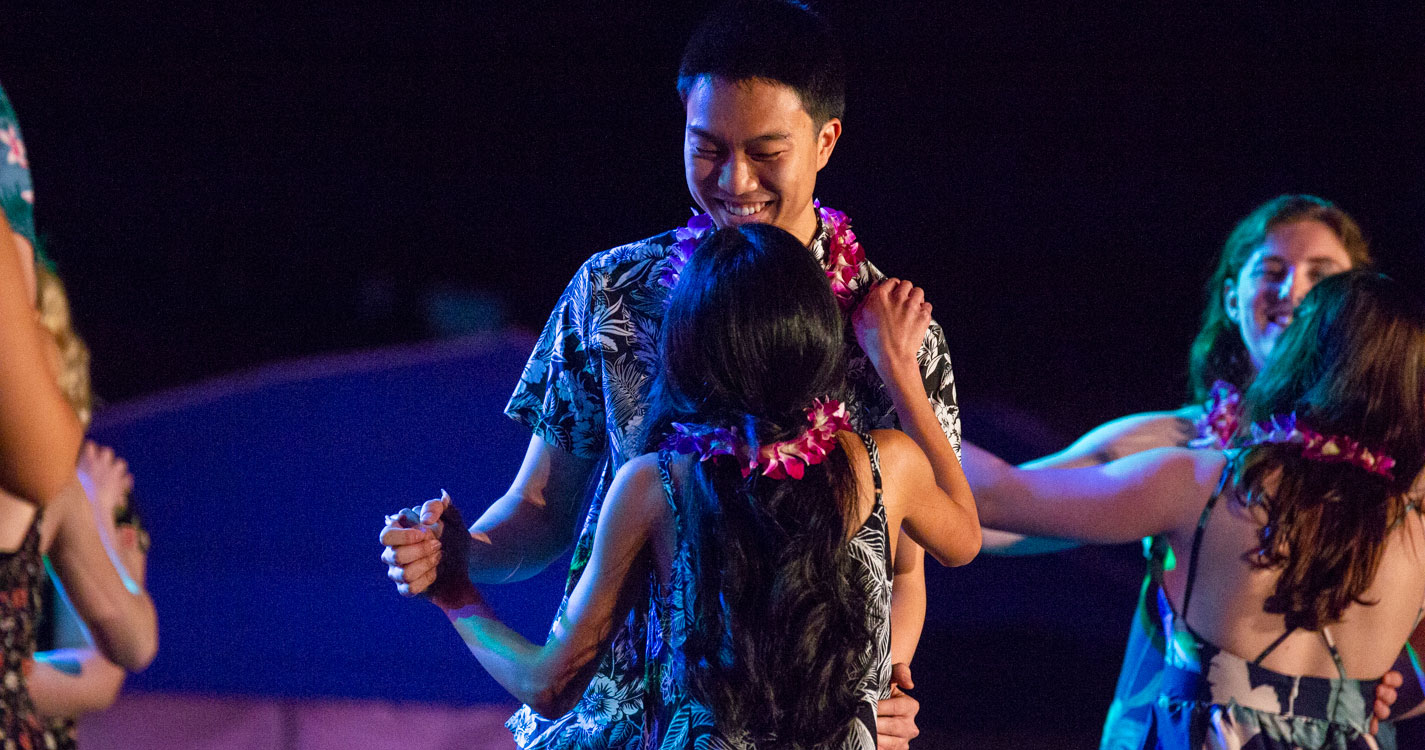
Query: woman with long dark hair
[1269,262]
[756,533]
[1299,582]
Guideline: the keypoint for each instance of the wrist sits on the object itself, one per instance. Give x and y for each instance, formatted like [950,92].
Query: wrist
[902,372]
[457,599]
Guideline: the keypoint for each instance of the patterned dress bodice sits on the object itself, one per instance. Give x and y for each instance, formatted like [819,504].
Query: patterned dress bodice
[1212,699]
[674,719]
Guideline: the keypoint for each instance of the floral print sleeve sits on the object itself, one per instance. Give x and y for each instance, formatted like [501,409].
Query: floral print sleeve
[876,410]
[935,370]
[559,396]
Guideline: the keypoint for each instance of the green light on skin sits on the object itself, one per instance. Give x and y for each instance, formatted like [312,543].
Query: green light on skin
[1170,559]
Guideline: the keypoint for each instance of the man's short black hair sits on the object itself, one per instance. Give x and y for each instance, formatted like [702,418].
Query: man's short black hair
[782,41]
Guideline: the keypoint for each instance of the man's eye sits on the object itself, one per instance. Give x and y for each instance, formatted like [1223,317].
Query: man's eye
[766,155]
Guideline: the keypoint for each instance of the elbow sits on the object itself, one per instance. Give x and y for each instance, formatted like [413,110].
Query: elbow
[107,684]
[553,693]
[141,655]
[551,702]
[961,553]
[132,648]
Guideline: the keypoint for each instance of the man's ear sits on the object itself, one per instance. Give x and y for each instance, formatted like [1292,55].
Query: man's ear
[826,141]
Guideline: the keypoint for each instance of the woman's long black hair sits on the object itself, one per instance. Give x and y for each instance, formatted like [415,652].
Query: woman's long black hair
[779,619]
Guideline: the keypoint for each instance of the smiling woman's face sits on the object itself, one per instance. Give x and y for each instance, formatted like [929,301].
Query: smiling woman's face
[1274,280]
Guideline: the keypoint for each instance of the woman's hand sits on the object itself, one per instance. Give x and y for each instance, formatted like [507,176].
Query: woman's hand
[890,325]
[107,485]
[106,480]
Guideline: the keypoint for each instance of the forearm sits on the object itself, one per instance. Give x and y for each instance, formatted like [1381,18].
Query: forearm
[70,682]
[106,596]
[907,600]
[515,539]
[521,667]
[991,477]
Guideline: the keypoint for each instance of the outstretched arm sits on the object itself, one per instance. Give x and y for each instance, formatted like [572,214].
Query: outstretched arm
[1121,437]
[1147,493]
[550,678]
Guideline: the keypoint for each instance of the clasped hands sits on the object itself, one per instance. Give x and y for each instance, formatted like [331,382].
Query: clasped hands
[421,557]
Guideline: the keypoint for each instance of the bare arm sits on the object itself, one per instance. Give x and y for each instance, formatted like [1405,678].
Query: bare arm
[535,521]
[550,678]
[890,326]
[907,599]
[73,681]
[101,568]
[39,432]
[515,538]
[1144,494]
[1107,442]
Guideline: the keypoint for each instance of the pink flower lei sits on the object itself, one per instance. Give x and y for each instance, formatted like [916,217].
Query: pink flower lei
[780,460]
[1318,447]
[1222,414]
[843,257]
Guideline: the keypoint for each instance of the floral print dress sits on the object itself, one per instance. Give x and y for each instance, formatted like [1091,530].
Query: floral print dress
[21,573]
[1211,699]
[675,720]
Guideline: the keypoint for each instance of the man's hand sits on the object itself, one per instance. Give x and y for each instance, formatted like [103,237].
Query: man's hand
[895,716]
[891,323]
[413,547]
[1385,698]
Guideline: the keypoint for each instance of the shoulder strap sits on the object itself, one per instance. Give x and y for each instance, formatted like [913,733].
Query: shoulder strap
[878,509]
[1273,646]
[1197,538]
[874,454]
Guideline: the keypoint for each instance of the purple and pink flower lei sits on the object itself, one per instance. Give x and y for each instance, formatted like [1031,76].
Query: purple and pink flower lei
[843,257]
[780,460]
[1222,414]
[1316,446]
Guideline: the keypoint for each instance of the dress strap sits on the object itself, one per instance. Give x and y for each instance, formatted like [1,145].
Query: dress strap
[878,510]
[1197,539]
[874,454]
[1273,647]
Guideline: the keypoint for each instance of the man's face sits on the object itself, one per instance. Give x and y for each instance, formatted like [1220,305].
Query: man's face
[751,154]
[1276,278]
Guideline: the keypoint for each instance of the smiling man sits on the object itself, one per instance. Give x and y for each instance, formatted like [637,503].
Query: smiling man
[763,88]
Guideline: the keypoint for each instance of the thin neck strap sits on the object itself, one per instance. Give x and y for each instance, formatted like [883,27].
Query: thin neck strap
[1197,538]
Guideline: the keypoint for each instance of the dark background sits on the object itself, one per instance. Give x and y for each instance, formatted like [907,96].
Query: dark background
[225,187]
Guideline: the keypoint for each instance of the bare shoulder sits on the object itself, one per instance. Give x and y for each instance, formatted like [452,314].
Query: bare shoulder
[898,452]
[894,445]
[638,486]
